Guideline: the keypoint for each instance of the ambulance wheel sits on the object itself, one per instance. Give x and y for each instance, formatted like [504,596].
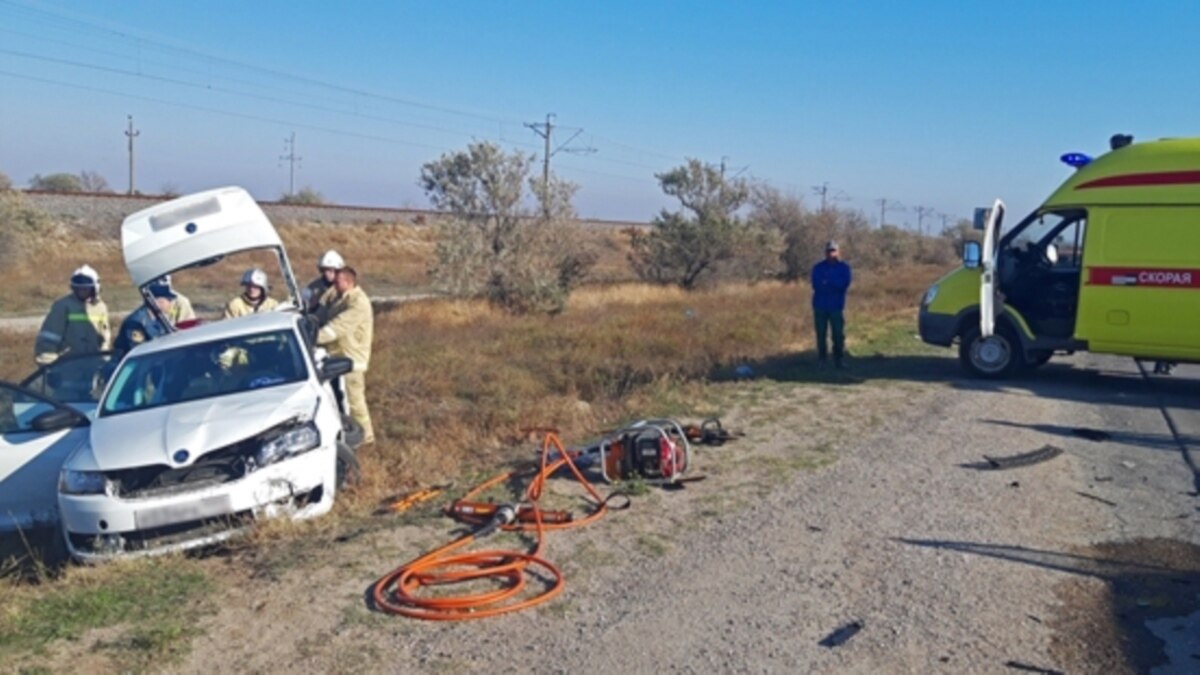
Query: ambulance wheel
[348,471]
[992,358]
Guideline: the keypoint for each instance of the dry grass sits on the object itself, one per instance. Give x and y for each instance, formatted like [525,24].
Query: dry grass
[452,384]
[392,259]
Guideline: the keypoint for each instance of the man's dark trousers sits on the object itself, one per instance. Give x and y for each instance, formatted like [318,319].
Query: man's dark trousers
[826,320]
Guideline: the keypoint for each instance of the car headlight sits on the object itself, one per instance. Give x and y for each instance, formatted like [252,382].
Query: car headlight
[291,442]
[929,296]
[71,482]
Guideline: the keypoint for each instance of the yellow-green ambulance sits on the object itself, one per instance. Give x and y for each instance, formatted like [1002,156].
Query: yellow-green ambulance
[1110,263]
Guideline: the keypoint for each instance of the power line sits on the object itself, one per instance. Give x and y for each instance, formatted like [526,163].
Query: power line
[886,205]
[127,33]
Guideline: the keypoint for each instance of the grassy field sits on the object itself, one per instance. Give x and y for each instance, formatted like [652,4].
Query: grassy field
[392,259]
[452,385]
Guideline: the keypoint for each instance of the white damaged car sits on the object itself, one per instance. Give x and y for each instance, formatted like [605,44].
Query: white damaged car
[201,431]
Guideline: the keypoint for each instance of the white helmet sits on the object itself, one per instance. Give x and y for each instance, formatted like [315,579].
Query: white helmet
[331,260]
[256,277]
[85,277]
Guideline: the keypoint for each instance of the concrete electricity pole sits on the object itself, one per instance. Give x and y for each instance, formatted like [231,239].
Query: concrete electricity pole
[546,131]
[132,134]
[291,158]
[886,205]
[922,211]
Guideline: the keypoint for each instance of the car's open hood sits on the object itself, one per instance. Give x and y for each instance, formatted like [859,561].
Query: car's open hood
[196,228]
[153,436]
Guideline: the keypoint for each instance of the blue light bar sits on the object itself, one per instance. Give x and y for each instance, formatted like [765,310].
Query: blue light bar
[1075,159]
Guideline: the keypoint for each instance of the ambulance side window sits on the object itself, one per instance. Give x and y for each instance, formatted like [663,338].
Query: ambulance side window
[1069,242]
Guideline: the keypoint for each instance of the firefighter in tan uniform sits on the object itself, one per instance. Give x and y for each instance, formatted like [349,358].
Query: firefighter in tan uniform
[181,308]
[77,323]
[320,293]
[254,296]
[348,333]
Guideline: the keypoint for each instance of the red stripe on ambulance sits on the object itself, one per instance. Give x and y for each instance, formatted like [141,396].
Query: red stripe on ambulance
[1140,179]
[1135,276]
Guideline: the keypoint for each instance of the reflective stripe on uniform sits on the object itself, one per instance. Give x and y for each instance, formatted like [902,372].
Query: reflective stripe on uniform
[50,335]
[79,317]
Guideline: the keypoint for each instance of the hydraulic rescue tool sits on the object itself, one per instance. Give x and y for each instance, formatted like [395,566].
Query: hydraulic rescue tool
[401,590]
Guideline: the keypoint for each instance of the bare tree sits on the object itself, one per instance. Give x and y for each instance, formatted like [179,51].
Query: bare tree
[92,181]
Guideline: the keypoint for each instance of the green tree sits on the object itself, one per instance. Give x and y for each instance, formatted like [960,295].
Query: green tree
[56,182]
[307,196]
[685,246]
[522,251]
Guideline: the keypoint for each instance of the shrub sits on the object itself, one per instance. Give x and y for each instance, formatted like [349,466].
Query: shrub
[705,239]
[305,197]
[493,246]
[56,182]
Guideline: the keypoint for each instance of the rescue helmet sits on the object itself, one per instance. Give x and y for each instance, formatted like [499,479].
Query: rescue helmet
[85,277]
[255,277]
[331,260]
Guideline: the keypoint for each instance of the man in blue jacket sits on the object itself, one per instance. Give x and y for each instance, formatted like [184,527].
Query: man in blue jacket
[830,281]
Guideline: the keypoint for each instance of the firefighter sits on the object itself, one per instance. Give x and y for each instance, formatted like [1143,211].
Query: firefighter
[181,308]
[348,332]
[141,326]
[320,293]
[77,323]
[254,295]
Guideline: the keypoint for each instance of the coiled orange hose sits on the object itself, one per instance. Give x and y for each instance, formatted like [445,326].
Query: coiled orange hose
[400,591]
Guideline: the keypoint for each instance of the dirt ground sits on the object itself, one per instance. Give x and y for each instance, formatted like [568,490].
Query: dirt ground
[853,500]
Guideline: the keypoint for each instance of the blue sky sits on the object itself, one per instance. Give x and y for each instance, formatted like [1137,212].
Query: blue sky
[938,104]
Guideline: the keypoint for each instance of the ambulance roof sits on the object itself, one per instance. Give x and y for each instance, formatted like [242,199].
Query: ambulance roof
[1165,171]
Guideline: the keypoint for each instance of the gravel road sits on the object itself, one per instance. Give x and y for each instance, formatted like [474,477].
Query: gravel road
[1087,562]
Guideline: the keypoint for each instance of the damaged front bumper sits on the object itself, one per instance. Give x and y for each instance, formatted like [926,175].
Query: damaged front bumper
[103,527]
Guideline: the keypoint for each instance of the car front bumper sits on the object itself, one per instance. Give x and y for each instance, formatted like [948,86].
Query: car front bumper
[937,329]
[103,527]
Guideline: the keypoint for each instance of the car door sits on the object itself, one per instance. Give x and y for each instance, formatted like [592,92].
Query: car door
[77,381]
[37,434]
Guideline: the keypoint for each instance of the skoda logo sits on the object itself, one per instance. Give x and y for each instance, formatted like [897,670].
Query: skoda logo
[180,456]
[190,228]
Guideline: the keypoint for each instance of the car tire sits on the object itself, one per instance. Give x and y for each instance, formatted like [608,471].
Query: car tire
[994,358]
[352,432]
[348,471]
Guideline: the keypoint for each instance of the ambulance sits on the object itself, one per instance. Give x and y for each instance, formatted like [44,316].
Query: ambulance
[1110,264]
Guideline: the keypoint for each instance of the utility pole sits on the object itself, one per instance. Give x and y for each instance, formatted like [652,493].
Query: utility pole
[289,144]
[132,134]
[884,208]
[922,211]
[822,190]
[546,131]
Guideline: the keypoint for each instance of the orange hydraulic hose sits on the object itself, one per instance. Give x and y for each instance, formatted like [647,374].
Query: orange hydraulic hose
[400,591]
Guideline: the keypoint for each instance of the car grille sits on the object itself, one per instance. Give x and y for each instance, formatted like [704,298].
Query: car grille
[219,466]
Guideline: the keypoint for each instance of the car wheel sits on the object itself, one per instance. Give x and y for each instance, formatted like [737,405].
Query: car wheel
[352,432]
[348,471]
[992,358]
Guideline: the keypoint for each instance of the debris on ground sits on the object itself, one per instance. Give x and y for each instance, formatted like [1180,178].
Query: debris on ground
[1017,665]
[1093,497]
[1042,454]
[841,635]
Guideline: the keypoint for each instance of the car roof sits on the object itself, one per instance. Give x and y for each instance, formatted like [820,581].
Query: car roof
[1153,172]
[221,330]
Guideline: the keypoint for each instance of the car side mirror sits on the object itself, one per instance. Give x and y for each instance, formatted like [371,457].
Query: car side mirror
[972,253]
[334,367]
[57,419]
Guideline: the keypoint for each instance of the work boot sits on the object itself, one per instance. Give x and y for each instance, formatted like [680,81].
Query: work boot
[840,365]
